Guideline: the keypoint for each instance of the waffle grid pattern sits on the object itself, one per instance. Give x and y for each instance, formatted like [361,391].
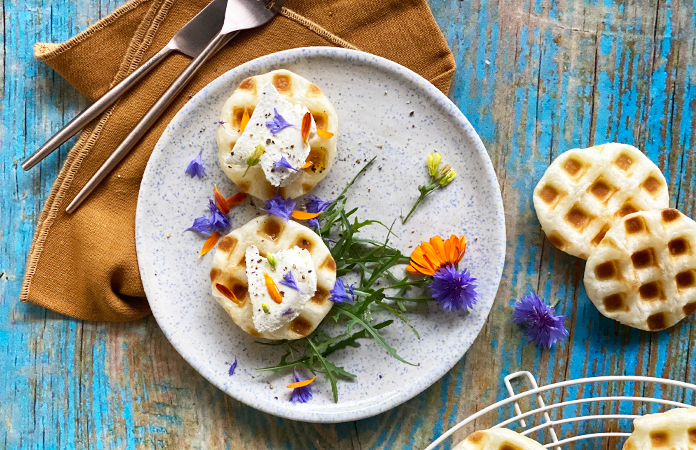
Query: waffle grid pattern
[643,273]
[296,90]
[585,191]
[271,234]
[674,429]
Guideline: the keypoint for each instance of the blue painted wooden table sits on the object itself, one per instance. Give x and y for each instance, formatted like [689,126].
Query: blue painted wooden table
[535,78]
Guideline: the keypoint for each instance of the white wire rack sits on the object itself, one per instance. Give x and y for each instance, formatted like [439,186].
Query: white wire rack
[565,412]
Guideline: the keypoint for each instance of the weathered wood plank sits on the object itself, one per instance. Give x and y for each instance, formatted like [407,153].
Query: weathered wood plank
[535,78]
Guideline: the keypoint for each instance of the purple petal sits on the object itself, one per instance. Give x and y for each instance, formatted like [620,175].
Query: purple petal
[284,163]
[338,293]
[316,205]
[540,322]
[195,167]
[280,207]
[300,394]
[278,123]
[218,221]
[288,311]
[453,289]
[232,367]
[201,225]
[289,281]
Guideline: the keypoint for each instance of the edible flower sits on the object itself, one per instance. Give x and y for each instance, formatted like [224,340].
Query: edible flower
[201,225]
[439,178]
[315,204]
[210,243]
[303,215]
[195,167]
[255,157]
[430,256]
[224,290]
[245,121]
[289,281]
[288,311]
[280,207]
[540,321]
[266,309]
[272,289]
[232,367]
[278,123]
[221,202]
[307,164]
[324,134]
[315,223]
[284,163]
[301,392]
[339,294]
[218,221]
[306,125]
[236,199]
[453,289]
[272,261]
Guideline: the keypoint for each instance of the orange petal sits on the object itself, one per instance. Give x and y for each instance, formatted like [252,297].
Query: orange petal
[461,249]
[302,215]
[439,246]
[224,290]
[430,254]
[221,202]
[210,243]
[245,121]
[272,289]
[418,257]
[301,383]
[306,126]
[450,250]
[236,199]
[324,134]
[307,165]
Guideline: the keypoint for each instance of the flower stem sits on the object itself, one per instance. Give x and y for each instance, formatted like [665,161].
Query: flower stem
[424,193]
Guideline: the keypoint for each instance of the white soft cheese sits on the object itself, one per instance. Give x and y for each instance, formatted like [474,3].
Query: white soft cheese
[296,260]
[287,142]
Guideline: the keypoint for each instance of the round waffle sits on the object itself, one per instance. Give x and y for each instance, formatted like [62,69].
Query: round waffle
[643,273]
[675,429]
[298,91]
[271,235]
[585,191]
[498,439]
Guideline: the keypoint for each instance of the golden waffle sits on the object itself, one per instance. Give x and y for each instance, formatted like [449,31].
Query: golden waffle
[296,90]
[270,235]
[675,429]
[585,191]
[498,439]
[643,273]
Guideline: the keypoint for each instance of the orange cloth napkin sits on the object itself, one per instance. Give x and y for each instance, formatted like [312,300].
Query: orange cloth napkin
[84,265]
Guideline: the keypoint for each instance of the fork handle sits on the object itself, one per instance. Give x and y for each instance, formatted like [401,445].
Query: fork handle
[150,117]
[98,107]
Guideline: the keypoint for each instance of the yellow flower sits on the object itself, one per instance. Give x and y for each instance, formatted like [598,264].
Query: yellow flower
[428,257]
[433,161]
[448,178]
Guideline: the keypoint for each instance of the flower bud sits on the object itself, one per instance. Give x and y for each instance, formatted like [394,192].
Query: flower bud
[448,178]
[443,172]
[433,161]
[272,261]
[255,157]
[266,309]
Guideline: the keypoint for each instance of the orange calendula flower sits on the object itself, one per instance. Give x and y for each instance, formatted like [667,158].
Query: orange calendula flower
[210,243]
[236,199]
[222,203]
[428,257]
[306,126]
[301,383]
[224,290]
[324,134]
[272,289]
[245,121]
[303,215]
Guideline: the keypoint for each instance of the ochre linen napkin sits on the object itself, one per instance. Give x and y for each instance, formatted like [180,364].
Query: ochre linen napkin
[84,265]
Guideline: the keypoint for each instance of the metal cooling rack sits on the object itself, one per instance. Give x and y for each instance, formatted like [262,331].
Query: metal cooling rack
[571,423]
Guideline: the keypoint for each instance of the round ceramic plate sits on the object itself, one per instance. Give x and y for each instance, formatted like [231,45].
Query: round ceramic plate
[384,110]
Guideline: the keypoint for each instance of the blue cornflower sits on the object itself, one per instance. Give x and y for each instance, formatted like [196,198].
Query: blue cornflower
[200,224]
[315,204]
[453,289]
[195,167]
[284,163]
[232,367]
[279,206]
[278,123]
[218,221]
[315,223]
[339,294]
[289,281]
[303,392]
[540,321]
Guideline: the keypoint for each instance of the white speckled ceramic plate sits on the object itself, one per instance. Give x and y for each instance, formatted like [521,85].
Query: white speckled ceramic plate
[374,98]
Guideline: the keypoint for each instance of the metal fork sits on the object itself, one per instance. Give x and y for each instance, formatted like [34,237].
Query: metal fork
[239,15]
[190,40]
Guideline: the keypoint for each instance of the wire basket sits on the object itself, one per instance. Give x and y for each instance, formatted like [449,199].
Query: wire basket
[583,409]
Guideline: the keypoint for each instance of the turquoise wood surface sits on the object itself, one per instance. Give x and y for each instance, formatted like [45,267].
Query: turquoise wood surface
[535,77]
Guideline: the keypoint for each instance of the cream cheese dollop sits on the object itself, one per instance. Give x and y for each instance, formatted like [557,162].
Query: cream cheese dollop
[268,315]
[287,142]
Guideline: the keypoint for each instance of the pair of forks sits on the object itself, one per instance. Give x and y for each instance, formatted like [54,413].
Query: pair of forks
[200,38]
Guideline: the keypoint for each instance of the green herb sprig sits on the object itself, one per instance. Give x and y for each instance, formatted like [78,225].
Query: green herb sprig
[439,178]
[378,290]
